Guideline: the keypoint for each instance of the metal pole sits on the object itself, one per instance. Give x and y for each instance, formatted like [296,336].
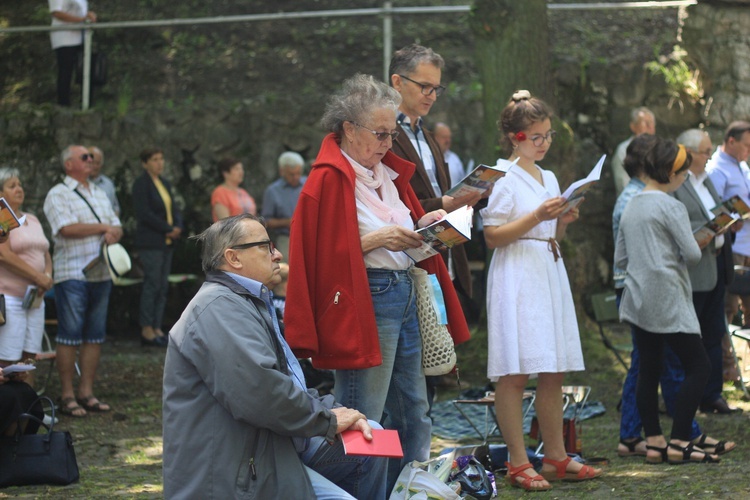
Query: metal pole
[88,36]
[387,40]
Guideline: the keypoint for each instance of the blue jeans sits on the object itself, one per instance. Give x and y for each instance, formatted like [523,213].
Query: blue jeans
[335,475]
[156,267]
[671,379]
[81,311]
[395,392]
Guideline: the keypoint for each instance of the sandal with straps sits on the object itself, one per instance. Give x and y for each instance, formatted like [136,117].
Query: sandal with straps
[561,473]
[632,447]
[662,458]
[718,448]
[520,471]
[687,455]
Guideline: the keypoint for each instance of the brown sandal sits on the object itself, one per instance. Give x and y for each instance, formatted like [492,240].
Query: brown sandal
[587,472]
[520,471]
[96,406]
[66,408]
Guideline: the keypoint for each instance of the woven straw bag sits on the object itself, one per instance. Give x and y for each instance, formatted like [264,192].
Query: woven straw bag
[438,353]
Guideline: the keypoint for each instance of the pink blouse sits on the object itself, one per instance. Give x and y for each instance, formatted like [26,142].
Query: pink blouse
[29,243]
[238,202]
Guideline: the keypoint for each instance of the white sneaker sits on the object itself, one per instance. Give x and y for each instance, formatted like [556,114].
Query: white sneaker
[48,420]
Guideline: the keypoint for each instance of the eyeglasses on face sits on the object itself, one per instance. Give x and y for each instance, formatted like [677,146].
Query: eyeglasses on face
[381,136]
[87,157]
[271,246]
[426,88]
[538,139]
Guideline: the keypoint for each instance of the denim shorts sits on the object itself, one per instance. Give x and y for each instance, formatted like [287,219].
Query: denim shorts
[81,311]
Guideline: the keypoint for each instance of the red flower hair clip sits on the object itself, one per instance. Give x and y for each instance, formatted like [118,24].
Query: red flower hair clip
[520,137]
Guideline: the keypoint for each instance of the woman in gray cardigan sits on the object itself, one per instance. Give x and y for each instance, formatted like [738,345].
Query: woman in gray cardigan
[655,246]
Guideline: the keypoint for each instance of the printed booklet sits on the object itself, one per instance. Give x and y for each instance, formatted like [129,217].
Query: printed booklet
[453,229]
[385,443]
[479,180]
[8,219]
[575,193]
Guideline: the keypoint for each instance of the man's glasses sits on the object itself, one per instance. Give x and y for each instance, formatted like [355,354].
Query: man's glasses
[538,139]
[427,89]
[87,157]
[381,136]
[271,246]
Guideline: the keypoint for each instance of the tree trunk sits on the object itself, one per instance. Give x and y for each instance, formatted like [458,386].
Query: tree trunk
[512,53]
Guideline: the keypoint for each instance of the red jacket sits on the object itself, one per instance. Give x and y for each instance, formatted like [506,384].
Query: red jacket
[329,314]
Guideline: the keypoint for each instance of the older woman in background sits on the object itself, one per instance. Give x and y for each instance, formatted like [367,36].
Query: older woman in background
[159,225]
[351,301]
[229,199]
[24,261]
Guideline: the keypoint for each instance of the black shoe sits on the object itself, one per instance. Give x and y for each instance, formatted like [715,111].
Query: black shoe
[154,342]
[719,406]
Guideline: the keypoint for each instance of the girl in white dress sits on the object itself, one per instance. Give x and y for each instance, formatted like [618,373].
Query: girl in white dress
[532,325]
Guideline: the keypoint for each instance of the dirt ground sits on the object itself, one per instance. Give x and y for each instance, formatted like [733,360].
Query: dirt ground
[119,453]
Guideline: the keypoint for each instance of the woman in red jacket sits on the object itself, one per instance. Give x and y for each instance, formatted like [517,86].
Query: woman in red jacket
[350,301]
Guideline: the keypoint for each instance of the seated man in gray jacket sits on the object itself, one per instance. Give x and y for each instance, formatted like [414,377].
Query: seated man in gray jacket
[239,421]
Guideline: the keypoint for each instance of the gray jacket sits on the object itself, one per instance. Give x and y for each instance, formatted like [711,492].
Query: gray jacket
[230,408]
[703,276]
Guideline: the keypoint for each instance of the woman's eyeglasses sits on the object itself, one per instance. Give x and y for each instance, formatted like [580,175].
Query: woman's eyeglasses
[426,88]
[381,136]
[271,246]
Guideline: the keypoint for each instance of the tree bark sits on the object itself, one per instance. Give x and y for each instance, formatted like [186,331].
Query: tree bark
[512,53]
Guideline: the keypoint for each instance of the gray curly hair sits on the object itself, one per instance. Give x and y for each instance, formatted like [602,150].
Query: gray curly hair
[359,96]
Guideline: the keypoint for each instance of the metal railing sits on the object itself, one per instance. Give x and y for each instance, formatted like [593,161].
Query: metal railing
[387,12]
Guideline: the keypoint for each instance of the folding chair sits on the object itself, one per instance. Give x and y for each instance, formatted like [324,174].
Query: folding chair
[738,333]
[604,306]
[490,419]
[572,394]
[48,354]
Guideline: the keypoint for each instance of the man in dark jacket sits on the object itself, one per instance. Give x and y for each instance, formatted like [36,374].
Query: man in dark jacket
[238,419]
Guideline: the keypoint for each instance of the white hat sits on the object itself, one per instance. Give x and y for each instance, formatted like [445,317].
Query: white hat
[117,260]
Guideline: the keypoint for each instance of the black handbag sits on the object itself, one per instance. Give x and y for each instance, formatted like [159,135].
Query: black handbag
[46,458]
[2,309]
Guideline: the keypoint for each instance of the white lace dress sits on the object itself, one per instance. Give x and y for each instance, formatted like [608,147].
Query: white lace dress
[532,326]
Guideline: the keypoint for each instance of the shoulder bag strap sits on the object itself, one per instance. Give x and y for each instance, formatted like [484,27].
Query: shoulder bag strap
[87,203]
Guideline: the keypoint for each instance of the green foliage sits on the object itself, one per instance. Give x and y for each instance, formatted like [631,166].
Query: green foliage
[682,81]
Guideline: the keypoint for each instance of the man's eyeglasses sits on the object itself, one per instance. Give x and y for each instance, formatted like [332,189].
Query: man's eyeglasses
[271,246]
[381,136]
[538,139]
[704,152]
[87,157]
[427,89]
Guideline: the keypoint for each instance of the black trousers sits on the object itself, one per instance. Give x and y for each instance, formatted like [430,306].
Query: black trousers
[689,349]
[67,62]
[17,398]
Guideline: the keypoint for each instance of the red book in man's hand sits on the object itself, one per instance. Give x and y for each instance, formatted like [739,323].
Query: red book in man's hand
[385,443]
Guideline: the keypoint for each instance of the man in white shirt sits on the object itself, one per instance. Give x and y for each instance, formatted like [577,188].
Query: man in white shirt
[81,218]
[443,136]
[642,121]
[67,43]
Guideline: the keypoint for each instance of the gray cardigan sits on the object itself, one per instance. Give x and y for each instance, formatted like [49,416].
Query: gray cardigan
[655,246]
[230,407]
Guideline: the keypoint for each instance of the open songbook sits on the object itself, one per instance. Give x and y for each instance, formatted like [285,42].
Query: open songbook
[8,218]
[453,229]
[479,180]
[575,193]
[723,219]
[737,206]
